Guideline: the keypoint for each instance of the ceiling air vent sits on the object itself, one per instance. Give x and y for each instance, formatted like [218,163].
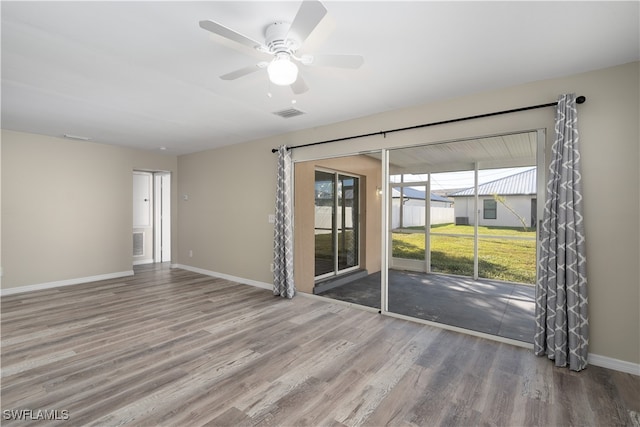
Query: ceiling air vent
[289,112]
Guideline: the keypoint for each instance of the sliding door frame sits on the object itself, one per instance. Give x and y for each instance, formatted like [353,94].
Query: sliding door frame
[334,228]
[541,161]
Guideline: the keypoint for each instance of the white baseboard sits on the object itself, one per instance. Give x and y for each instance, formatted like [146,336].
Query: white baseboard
[56,284]
[615,364]
[143,261]
[241,280]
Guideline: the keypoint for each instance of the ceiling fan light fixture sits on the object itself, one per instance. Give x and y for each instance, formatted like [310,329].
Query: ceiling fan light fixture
[282,71]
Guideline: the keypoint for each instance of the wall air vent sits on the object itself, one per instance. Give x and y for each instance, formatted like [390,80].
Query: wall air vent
[289,112]
[138,243]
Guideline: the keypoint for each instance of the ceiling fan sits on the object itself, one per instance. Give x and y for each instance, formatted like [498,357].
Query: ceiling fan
[282,41]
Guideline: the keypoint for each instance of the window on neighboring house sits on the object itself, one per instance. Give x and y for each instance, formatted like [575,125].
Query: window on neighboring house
[490,210]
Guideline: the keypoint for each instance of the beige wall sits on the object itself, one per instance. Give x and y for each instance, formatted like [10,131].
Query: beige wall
[67,207]
[370,171]
[224,223]
[233,187]
[1,269]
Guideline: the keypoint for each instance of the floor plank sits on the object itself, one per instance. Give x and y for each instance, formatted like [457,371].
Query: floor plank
[172,347]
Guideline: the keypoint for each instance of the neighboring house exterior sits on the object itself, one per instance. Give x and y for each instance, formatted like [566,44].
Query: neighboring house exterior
[518,193]
[413,209]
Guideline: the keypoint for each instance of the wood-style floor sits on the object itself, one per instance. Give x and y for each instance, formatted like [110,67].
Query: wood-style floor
[176,348]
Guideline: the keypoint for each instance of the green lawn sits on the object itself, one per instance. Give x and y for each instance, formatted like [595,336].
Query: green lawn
[502,259]
[499,258]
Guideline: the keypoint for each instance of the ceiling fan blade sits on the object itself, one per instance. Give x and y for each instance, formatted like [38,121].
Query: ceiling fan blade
[244,71]
[228,33]
[299,86]
[338,61]
[308,17]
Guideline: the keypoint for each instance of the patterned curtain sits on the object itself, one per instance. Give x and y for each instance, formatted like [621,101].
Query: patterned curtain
[283,234]
[562,327]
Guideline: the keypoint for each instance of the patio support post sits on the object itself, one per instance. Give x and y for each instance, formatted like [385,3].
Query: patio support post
[401,215]
[386,233]
[476,215]
[427,225]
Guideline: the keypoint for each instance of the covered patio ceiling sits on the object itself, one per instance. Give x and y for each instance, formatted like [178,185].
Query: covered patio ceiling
[507,150]
[511,150]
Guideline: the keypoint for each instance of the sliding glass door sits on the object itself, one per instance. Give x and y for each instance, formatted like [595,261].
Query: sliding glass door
[337,205]
[466,210]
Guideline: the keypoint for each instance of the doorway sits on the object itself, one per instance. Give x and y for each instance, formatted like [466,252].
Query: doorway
[337,223]
[338,211]
[468,259]
[445,230]
[151,217]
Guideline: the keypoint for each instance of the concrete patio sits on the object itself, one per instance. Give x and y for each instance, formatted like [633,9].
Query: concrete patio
[493,307]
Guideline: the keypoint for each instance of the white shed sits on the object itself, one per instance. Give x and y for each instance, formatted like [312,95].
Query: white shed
[505,202]
[413,208]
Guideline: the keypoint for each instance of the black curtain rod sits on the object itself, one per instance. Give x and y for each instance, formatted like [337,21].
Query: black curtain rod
[579,100]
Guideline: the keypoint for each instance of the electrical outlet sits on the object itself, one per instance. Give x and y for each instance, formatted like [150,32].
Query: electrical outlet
[190,253]
[272,267]
[272,218]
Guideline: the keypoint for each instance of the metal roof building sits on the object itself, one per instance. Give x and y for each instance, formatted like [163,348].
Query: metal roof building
[522,183]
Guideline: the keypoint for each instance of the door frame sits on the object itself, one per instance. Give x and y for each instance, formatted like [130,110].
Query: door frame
[388,262]
[159,227]
[336,270]
[162,216]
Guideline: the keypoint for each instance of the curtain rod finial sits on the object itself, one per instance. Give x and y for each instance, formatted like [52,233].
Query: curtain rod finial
[275,150]
[581,99]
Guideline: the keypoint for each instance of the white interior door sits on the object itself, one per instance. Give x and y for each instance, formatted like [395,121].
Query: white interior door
[142,217]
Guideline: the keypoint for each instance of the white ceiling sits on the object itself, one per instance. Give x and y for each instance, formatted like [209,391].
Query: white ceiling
[145,75]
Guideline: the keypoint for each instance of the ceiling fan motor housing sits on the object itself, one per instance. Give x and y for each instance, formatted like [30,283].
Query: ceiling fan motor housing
[277,40]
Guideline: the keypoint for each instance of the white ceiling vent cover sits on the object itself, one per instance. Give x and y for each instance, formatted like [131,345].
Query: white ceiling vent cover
[289,112]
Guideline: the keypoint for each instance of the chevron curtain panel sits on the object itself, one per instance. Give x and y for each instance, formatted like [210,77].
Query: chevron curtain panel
[562,326]
[283,233]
